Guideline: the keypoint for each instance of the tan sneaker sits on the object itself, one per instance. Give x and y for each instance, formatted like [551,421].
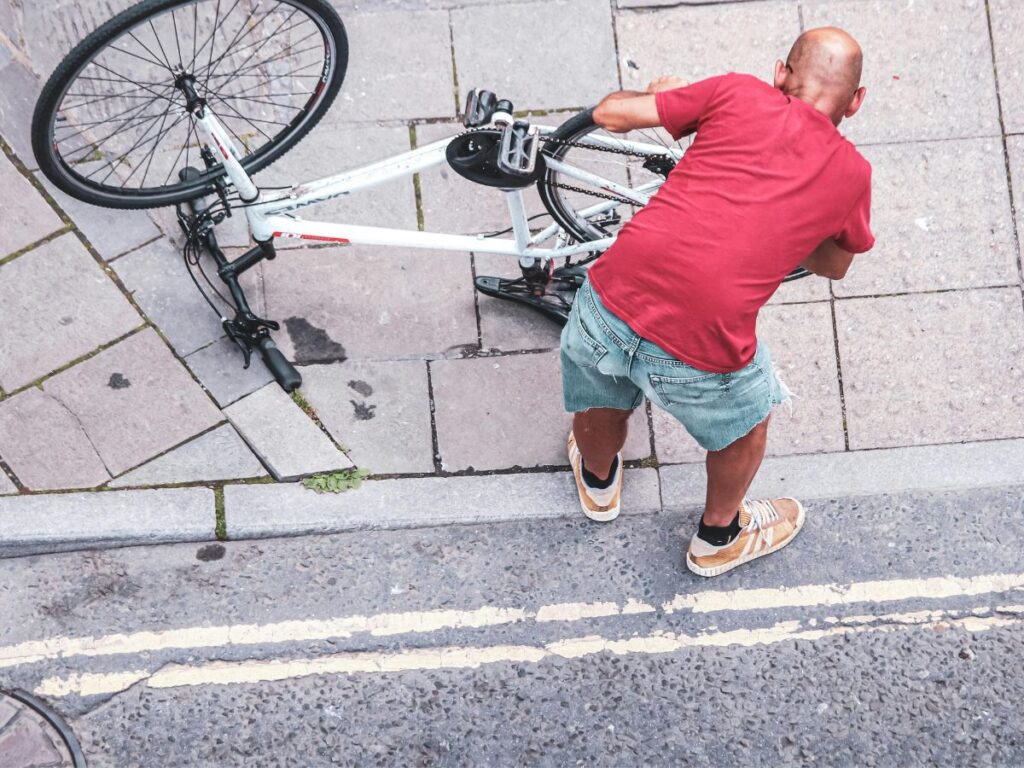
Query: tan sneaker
[600,504]
[765,527]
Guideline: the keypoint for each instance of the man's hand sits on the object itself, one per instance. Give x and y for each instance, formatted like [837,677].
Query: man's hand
[666,83]
[828,260]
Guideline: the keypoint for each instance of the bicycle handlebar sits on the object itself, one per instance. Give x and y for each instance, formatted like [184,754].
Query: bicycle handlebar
[278,364]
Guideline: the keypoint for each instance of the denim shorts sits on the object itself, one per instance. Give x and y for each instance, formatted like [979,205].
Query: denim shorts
[606,365]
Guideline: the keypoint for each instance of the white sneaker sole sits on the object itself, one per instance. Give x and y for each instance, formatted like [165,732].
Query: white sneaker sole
[600,517]
[720,569]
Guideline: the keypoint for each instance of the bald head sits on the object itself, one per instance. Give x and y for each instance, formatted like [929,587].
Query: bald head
[824,68]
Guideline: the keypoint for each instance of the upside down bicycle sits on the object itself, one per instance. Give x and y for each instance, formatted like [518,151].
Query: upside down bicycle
[182,102]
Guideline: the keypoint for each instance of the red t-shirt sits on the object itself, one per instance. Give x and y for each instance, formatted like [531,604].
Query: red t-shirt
[766,180]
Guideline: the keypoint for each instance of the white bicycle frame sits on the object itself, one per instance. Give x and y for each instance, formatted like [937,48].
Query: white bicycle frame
[273,218]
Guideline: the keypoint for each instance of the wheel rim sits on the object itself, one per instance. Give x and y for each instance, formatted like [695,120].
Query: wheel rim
[121,126]
[620,168]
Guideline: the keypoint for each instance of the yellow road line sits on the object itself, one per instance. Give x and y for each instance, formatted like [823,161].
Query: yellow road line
[456,657]
[388,624]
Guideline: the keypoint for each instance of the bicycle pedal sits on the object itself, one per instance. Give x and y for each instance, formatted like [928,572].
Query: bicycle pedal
[480,107]
[519,147]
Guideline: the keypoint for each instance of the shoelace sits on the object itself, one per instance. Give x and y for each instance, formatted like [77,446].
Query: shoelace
[761,511]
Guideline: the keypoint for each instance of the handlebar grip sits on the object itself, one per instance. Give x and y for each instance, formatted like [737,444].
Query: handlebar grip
[278,364]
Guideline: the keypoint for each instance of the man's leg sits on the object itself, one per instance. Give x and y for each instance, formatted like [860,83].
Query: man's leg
[730,473]
[600,434]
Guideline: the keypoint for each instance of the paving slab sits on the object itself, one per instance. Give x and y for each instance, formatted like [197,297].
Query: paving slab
[26,214]
[698,42]
[916,89]
[216,455]
[71,521]
[45,446]
[19,89]
[158,280]
[1007,22]
[367,302]
[380,412]
[257,511]
[111,232]
[134,400]
[924,241]
[456,205]
[7,486]
[491,44]
[219,367]
[506,411]
[801,341]
[932,368]
[47,37]
[333,147]
[288,442]
[399,67]
[56,304]
[860,473]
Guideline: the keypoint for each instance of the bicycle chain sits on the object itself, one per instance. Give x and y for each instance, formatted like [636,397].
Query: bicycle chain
[593,193]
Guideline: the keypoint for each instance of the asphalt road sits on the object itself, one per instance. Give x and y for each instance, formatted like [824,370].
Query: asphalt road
[891,633]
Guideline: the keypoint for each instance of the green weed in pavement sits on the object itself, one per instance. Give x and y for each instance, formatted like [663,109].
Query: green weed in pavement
[336,482]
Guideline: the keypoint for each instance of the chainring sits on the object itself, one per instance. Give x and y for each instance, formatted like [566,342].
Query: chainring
[474,156]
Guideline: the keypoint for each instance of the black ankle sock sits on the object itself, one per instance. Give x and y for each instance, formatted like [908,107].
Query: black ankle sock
[595,482]
[719,535]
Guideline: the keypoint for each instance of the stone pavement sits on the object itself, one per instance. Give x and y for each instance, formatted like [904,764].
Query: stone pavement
[29,740]
[114,374]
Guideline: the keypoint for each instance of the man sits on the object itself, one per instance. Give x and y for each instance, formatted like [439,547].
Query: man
[670,310]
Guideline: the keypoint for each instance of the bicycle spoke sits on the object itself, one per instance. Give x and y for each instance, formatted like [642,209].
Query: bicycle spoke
[256,101]
[145,47]
[240,71]
[126,79]
[263,42]
[137,56]
[248,120]
[270,36]
[152,153]
[128,123]
[177,40]
[124,103]
[155,138]
[122,157]
[160,44]
[234,39]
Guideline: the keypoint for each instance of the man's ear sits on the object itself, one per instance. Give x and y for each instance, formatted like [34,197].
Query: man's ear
[855,102]
[780,74]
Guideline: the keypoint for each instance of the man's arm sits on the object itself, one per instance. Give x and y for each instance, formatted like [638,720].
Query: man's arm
[624,111]
[828,260]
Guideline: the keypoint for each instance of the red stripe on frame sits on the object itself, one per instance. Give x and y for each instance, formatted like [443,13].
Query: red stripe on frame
[322,238]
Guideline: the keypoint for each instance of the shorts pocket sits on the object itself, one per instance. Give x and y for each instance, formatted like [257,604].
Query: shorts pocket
[582,348]
[688,390]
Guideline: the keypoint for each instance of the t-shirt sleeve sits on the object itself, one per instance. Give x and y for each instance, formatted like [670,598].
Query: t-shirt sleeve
[855,235]
[680,109]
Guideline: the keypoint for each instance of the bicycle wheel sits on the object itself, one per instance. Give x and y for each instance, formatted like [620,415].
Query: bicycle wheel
[111,125]
[585,208]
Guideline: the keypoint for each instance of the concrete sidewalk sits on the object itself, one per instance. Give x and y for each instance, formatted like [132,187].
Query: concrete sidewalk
[115,375]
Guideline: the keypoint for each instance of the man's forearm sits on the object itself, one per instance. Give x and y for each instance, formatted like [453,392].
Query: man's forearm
[828,260]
